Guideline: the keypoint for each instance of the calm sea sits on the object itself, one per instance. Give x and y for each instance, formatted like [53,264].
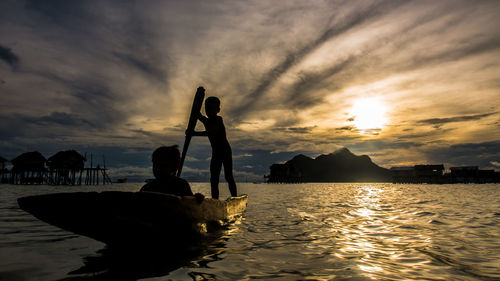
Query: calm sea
[288,232]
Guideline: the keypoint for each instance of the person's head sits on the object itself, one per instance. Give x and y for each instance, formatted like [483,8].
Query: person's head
[166,161]
[212,106]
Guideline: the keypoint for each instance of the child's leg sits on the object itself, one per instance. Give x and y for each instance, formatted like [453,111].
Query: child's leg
[228,174]
[215,167]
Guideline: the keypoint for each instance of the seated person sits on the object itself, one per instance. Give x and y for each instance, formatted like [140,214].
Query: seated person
[166,161]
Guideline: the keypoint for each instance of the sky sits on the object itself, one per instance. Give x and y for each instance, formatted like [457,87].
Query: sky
[404,82]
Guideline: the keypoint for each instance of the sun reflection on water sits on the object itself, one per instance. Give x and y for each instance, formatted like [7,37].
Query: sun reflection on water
[370,268]
[367,238]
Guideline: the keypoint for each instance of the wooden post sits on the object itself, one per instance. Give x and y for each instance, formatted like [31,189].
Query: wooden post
[91,170]
[104,170]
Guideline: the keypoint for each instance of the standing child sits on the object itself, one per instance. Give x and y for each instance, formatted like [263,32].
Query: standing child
[221,150]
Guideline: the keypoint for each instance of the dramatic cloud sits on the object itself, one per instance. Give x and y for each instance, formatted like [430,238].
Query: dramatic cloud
[439,121]
[118,79]
[9,57]
[339,25]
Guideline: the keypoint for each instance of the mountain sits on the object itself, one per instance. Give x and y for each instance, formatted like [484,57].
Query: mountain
[339,166]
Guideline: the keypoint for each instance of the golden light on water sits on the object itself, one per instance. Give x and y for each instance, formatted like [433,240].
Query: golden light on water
[369,114]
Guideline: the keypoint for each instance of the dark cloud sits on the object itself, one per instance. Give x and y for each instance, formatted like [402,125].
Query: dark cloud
[300,93]
[147,67]
[60,118]
[428,134]
[460,51]
[362,15]
[93,93]
[10,128]
[449,50]
[466,154]
[300,130]
[376,145]
[478,148]
[67,14]
[144,133]
[16,127]
[101,51]
[353,129]
[346,128]
[94,98]
[96,66]
[88,28]
[9,57]
[464,118]
[261,160]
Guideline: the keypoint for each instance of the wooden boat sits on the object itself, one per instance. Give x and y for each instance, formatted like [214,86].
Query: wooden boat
[124,218]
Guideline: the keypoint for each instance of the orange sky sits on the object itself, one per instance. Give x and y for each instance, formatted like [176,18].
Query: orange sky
[405,82]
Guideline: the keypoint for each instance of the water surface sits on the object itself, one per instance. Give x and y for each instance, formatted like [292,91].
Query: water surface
[289,232]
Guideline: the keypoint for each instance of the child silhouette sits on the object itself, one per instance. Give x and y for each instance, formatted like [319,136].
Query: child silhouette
[221,150]
[165,164]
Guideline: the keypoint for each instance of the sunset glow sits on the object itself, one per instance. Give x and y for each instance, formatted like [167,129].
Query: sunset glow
[369,114]
[404,82]
[241,140]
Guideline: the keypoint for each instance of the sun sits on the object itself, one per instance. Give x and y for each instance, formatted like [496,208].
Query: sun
[369,114]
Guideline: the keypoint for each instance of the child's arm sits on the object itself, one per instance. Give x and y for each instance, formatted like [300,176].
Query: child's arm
[193,133]
[202,118]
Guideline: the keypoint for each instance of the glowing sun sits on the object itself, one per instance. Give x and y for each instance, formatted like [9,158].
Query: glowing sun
[369,114]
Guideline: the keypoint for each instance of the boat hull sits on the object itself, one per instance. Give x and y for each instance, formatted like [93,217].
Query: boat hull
[118,218]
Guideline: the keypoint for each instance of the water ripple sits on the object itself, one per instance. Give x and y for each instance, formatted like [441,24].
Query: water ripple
[307,232]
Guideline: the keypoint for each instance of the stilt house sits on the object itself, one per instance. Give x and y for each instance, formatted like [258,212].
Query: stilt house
[66,167]
[28,168]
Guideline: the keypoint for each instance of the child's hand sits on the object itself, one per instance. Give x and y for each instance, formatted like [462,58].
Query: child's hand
[199,197]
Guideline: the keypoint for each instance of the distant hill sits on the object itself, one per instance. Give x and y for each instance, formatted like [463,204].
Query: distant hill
[339,166]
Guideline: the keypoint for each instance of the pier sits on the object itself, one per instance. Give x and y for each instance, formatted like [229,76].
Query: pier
[434,174]
[63,168]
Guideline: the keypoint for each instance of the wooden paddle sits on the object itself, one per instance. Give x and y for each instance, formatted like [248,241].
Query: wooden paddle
[193,118]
